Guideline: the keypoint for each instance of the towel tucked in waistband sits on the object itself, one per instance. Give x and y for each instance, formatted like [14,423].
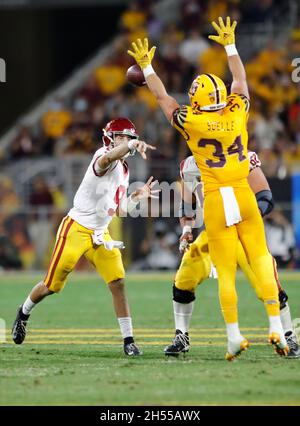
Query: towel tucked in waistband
[231,207]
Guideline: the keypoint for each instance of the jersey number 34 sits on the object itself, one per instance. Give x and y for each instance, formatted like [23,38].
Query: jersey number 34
[235,148]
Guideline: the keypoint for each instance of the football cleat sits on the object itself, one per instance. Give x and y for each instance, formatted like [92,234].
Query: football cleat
[280,346]
[294,350]
[131,349]
[19,327]
[181,344]
[236,348]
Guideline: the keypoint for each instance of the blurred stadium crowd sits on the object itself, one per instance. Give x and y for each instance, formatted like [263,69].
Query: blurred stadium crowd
[71,128]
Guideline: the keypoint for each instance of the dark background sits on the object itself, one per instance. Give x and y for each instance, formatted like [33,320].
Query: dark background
[42,46]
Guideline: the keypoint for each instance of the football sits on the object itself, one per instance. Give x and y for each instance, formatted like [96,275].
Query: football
[135,75]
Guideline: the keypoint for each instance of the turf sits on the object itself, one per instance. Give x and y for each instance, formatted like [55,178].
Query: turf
[73,352]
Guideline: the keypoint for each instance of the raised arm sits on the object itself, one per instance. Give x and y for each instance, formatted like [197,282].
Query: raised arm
[226,38]
[120,151]
[143,57]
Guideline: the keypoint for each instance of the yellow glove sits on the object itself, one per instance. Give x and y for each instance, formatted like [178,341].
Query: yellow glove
[225,33]
[141,53]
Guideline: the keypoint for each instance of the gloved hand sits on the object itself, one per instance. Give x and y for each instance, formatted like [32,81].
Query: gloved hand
[98,239]
[225,33]
[141,52]
[185,239]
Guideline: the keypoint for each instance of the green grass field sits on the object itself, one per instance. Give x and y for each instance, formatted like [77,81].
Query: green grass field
[73,352]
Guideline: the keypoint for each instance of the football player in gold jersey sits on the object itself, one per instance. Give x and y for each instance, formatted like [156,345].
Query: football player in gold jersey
[214,127]
[196,266]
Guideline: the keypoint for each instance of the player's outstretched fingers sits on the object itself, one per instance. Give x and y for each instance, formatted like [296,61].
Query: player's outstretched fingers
[216,27]
[153,193]
[153,183]
[149,180]
[221,23]
[151,146]
[140,44]
[141,148]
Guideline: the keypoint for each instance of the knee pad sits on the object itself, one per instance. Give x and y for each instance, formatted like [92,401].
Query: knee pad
[183,296]
[283,298]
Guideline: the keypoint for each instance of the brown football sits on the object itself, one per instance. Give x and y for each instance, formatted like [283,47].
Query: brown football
[135,75]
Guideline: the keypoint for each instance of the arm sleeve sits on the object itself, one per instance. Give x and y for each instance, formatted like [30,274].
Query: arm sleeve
[179,120]
[241,100]
[246,102]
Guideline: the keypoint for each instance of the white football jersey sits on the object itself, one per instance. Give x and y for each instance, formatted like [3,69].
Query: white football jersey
[98,197]
[190,173]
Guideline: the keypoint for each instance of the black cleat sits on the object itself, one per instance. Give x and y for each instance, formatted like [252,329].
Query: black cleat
[294,350]
[19,327]
[181,344]
[131,349]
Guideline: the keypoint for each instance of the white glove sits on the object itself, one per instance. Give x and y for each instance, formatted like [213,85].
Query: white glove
[98,240]
[185,239]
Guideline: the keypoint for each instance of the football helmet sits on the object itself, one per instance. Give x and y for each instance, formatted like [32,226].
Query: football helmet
[208,93]
[119,126]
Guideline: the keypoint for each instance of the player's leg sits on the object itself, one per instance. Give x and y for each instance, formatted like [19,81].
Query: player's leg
[69,247]
[243,263]
[194,268]
[286,318]
[285,313]
[223,251]
[252,236]
[109,265]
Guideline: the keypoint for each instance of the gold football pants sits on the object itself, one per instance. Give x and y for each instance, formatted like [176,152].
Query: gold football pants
[223,249]
[74,241]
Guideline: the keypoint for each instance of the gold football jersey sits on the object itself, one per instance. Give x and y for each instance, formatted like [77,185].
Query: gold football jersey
[218,141]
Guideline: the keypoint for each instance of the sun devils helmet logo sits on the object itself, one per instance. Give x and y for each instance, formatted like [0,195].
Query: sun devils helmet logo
[119,126]
[208,93]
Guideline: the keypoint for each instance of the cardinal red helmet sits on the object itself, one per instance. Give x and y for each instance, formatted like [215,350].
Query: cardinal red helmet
[119,126]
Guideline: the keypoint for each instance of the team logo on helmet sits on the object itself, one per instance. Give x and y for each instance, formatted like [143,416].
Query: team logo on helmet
[208,93]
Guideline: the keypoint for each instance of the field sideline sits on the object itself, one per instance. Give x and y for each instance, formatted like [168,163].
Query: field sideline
[73,351]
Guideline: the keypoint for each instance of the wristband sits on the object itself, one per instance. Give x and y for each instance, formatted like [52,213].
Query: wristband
[231,50]
[148,70]
[131,146]
[186,229]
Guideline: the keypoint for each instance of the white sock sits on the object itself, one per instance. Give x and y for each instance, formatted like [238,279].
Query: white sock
[286,320]
[182,315]
[275,324]
[28,305]
[125,324]
[233,331]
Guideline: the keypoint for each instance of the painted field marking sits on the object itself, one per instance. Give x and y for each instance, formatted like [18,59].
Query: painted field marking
[136,330]
[139,335]
[115,343]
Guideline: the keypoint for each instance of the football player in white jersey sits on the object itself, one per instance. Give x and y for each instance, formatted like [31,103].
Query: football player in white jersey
[196,263]
[83,232]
